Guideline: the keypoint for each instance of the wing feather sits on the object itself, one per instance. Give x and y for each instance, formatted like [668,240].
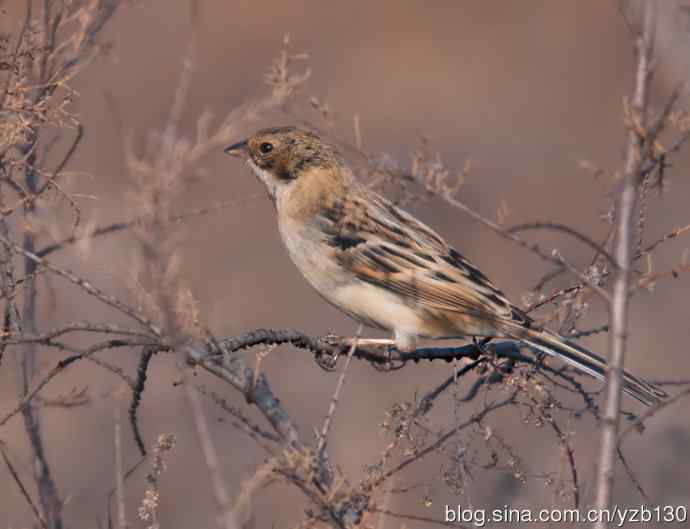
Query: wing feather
[385,246]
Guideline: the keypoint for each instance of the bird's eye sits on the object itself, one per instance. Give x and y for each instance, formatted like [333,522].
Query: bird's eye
[265,147]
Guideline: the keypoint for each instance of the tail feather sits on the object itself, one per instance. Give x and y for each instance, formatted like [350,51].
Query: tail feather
[592,364]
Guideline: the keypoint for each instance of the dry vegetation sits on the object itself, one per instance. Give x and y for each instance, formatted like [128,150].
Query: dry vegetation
[157,313]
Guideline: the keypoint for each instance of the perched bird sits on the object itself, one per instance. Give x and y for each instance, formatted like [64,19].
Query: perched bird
[382,266]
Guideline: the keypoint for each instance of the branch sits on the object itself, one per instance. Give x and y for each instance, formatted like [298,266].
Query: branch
[639,421]
[15,53]
[672,235]
[258,391]
[623,254]
[82,326]
[22,488]
[124,225]
[59,367]
[432,447]
[85,285]
[323,436]
[331,346]
[242,422]
[568,231]
[201,427]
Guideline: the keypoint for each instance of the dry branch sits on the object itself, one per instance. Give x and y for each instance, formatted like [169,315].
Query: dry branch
[623,254]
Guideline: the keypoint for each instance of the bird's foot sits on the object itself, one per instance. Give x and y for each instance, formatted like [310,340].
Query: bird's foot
[391,360]
[480,344]
[327,362]
[327,358]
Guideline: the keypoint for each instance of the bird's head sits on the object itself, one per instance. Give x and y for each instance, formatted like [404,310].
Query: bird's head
[293,163]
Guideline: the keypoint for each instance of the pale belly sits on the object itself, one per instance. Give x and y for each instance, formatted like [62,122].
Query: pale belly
[366,303]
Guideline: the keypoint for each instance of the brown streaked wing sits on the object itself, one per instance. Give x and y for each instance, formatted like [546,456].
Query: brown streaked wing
[387,247]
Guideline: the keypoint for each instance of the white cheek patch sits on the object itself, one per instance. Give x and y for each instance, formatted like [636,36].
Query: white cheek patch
[264,177]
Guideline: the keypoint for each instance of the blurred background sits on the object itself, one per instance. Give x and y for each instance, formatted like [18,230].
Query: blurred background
[525,90]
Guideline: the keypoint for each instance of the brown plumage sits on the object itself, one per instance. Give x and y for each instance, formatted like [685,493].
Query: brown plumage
[382,266]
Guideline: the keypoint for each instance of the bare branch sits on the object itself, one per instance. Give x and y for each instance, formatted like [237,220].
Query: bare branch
[87,286]
[639,421]
[220,491]
[124,225]
[257,392]
[672,235]
[623,255]
[563,229]
[59,367]
[137,391]
[119,469]
[534,248]
[22,488]
[323,437]
[446,436]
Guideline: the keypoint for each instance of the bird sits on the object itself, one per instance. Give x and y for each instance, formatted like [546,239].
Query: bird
[385,268]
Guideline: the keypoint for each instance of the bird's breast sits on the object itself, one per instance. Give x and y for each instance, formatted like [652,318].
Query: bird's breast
[371,305]
[312,256]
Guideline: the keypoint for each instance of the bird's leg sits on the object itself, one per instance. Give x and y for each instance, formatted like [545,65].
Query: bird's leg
[387,343]
[404,342]
[374,342]
[400,341]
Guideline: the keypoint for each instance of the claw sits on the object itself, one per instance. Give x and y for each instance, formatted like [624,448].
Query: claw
[327,362]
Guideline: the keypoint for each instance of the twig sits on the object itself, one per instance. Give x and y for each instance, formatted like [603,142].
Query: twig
[59,367]
[220,491]
[87,287]
[82,326]
[675,233]
[323,437]
[130,471]
[590,332]
[639,421]
[258,392]
[649,280]
[570,455]
[576,287]
[564,229]
[419,454]
[534,248]
[427,401]
[553,296]
[70,152]
[119,465]
[546,278]
[144,360]
[631,474]
[20,485]
[124,225]
[243,423]
[15,52]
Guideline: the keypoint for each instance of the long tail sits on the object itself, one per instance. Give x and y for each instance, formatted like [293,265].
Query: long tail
[554,345]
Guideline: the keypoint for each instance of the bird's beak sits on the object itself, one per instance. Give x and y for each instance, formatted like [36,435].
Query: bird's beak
[239,150]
